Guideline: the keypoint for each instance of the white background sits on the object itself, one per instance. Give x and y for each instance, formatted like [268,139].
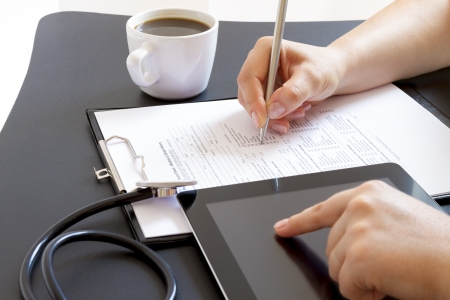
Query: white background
[19,20]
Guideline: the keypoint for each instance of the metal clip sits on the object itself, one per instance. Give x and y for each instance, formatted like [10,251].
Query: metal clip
[160,188]
[110,170]
[134,153]
[103,173]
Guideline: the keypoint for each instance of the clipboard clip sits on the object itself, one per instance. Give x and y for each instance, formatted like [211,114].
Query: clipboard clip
[103,173]
[159,188]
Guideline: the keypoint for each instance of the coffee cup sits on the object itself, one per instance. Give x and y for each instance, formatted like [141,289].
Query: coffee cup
[171,51]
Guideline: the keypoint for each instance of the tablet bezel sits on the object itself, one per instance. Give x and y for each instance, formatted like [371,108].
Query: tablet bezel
[222,262]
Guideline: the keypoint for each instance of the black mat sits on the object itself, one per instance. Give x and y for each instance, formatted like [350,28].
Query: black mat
[47,153]
[435,87]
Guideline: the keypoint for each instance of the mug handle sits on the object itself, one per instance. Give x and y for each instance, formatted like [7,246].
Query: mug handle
[134,65]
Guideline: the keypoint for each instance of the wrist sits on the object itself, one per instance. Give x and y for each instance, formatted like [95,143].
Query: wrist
[433,259]
[341,66]
[442,265]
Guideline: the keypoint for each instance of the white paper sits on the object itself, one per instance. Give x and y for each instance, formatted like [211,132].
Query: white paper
[216,144]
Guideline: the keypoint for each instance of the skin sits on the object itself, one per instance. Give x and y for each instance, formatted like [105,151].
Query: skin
[382,242]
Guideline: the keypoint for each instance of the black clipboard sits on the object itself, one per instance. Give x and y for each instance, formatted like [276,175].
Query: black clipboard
[119,188]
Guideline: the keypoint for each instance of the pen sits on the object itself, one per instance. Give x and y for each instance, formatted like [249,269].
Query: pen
[274,57]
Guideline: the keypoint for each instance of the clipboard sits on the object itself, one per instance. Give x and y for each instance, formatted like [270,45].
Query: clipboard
[110,171]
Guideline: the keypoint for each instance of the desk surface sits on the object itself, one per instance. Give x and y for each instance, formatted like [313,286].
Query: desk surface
[47,153]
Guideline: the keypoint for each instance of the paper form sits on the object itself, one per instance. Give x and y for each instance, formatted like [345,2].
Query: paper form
[216,144]
[227,151]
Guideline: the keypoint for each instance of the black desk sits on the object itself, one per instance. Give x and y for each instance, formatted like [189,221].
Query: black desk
[47,153]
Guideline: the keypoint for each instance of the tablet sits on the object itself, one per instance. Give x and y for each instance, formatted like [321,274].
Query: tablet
[234,228]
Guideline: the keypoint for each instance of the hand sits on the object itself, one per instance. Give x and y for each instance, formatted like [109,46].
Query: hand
[382,242]
[306,76]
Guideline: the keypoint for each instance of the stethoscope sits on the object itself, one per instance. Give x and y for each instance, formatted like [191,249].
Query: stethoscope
[53,239]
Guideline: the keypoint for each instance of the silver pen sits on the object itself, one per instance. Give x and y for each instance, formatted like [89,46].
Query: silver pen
[274,57]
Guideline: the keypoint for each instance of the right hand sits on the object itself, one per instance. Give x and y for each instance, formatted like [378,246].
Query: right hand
[382,242]
[306,76]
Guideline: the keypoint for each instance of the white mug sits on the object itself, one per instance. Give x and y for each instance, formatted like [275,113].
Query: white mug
[171,67]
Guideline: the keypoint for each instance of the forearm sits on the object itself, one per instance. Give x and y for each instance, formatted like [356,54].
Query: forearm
[407,38]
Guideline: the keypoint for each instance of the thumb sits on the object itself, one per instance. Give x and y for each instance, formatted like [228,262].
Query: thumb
[289,97]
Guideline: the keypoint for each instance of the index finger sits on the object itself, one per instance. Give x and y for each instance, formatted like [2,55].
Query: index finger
[251,78]
[321,215]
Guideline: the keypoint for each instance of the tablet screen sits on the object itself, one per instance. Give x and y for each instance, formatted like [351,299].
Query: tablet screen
[277,268]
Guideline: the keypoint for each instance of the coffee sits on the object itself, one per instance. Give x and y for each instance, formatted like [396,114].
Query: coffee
[172,27]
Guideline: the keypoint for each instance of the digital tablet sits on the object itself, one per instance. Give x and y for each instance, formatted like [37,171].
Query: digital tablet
[234,227]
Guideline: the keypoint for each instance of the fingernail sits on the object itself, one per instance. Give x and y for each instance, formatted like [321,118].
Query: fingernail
[275,110]
[280,224]
[297,115]
[255,119]
[280,128]
[306,106]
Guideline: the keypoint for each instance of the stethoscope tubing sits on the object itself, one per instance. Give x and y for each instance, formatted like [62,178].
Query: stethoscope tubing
[49,244]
